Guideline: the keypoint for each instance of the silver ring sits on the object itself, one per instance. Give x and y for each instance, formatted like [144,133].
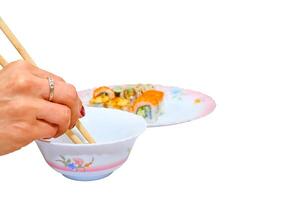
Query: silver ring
[51,87]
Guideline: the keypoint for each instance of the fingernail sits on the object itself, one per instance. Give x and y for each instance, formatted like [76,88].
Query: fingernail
[82,112]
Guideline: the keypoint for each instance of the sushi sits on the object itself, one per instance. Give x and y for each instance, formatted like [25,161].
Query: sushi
[140,88]
[148,105]
[119,103]
[141,99]
[129,94]
[117,90]
[102,95]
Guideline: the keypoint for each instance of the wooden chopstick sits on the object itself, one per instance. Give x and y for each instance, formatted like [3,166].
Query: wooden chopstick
[74,138]
[25,55]
[14,40]
[3,62]
[85,133]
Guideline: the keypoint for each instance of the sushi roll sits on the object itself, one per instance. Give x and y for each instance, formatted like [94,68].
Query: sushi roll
[119,103]
[141,88]
[159,95]
[117,90]
[102,95]
[129,94]
[148,105]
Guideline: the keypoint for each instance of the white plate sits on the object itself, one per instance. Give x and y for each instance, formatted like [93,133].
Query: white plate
[180,105]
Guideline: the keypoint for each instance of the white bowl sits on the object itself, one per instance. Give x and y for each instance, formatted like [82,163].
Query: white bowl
[115,133]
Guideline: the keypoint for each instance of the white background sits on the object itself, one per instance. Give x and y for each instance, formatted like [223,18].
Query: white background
[245,54]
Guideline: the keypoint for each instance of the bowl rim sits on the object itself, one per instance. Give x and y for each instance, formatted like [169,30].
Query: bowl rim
[43,141]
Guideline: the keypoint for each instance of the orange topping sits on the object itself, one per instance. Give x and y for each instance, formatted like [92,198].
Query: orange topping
[152,96]
[155,94]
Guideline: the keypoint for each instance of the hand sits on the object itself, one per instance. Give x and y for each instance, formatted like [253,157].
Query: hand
[25,112]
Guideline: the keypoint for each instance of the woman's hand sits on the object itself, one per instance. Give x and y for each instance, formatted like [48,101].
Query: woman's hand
[25,112]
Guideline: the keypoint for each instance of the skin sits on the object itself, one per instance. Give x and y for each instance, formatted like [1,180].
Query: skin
[25,112]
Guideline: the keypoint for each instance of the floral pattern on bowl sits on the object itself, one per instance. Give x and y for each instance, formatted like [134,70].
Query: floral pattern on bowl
[78,165]
[75,163]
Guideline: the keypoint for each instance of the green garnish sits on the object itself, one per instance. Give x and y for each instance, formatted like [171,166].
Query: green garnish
[144,111]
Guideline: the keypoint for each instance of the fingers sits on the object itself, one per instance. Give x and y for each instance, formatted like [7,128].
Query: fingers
[24,65]
[64,94]
[32,81]
[55,114]
[44,74]
[43,129]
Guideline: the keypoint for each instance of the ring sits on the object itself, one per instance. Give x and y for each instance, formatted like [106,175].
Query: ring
[51,87]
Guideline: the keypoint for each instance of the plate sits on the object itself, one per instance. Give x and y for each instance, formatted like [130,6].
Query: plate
[179,105]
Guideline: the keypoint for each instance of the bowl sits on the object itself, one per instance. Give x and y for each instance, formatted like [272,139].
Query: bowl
[115,133]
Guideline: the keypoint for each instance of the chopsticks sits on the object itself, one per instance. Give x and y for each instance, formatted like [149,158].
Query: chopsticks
[3,62]
[24,54]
